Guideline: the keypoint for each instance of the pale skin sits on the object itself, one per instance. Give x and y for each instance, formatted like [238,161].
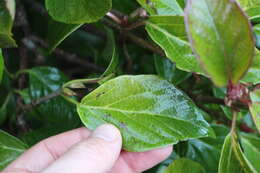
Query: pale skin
[83,151]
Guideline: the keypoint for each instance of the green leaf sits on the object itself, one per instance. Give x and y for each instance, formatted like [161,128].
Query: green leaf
[251,148]
[7,9]
[57,32]
[206,151]
[253,74]
[257,35]
[162,7]
[255,107]
[167,70]
[10,149]
[149,111]
[44,81]
[184,165]
[78,11]
[1,66]
[219,30]
[169,33]
[251,7]
[232,159]
[110,52]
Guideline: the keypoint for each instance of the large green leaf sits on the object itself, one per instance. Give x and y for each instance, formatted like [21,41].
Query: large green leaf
[7,12]
[221,37]
[44,81]
[78,11]
[232,159]
[162,7]
[169,33]
[1,65]
[149,111]
[255,107]
[206,151]
[253,74]
[57,32]
[251,148]
[184,165]
[10,149]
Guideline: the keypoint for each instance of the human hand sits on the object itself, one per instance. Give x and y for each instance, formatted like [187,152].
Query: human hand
[82,151]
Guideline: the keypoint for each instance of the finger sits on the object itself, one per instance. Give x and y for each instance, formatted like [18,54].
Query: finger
[96,154]
[130,162]
[48,150]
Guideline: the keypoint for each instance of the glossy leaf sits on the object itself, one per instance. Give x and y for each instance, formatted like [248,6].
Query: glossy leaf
[253,74]
[44,81]
[1,65]
[10,149]
[162,7]
[78,11]
[149,111]
[206,151]
[110,52]
[7,9]
[255,107]
[184,165]
[57,32]
[168,70]
[232,159]
[169,33]
[221,37]
[251,148]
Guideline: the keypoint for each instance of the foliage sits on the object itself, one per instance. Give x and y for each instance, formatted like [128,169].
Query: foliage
[165,72]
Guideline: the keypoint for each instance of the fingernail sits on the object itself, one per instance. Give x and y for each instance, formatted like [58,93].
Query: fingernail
[106,132]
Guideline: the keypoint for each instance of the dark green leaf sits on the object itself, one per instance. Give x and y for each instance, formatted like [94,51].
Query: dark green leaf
[57,32]
[251,147]
[7,12]
[206,151]
[162,7]
[167,70]
[110,52]
[255,107]
[184,165]
[169,33]
[232,159]
[44,81]
[10,149]
[78,11]
[221,37]
[149,111]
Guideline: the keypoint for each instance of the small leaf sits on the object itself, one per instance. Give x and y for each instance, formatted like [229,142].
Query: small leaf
[184,165]
[253,74]
[169,33]
[232,159]
[10,149]
[7,9]
[1,66]
[162,7]
[78,11]
[110,52]
[149,111]
[255,107]
[251,147]
[221,37]
[57,32]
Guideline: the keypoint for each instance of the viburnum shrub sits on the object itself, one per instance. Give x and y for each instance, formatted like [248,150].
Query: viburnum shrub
[182,72]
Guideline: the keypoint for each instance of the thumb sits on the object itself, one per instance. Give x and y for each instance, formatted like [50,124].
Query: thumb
[97,154]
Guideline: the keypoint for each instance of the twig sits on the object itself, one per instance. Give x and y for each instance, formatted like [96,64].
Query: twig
[73,58]
[234,120]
